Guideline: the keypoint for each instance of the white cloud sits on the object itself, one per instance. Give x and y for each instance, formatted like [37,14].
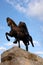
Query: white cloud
[21,9]
[36,43]
[13,44]
[10,44]
[39,52]
[2,48]
[36,8]
[29,7]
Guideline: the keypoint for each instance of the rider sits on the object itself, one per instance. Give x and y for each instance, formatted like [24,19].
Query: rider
[24,30]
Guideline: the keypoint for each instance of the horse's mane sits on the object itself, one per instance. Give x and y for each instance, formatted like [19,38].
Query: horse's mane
[11,20]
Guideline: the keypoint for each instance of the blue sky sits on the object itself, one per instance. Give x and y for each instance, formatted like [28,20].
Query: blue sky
[29,11]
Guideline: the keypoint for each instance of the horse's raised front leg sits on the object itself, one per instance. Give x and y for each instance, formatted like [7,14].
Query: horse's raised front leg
[19,44]
[7,34]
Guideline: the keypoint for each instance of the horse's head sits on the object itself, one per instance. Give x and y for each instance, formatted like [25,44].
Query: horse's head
[9,21]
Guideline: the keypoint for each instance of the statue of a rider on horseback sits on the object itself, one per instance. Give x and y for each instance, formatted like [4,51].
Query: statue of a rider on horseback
[19,32]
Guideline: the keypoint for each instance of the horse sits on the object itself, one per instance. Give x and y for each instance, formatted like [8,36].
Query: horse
[19,33]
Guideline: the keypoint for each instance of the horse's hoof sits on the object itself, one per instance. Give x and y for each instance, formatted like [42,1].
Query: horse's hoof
[8,39]
[33,45]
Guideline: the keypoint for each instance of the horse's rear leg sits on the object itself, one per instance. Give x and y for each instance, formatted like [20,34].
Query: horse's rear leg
[27,47]
[32,44]
[19,44]
[31,40]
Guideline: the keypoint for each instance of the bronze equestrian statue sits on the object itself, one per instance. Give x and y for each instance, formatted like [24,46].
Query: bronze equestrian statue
[19,32]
